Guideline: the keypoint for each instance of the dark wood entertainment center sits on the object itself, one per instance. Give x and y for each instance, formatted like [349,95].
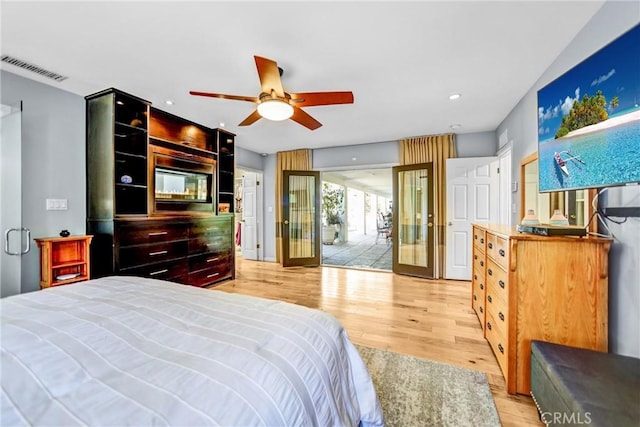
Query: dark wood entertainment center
[139,228]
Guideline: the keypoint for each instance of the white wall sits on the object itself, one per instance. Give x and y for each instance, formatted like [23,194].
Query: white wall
[53,162]
[611,21]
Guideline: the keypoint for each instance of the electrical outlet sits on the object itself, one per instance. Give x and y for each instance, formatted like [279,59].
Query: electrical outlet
[57,204]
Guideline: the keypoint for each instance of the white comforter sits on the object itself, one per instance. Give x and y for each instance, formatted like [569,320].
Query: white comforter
[129,351]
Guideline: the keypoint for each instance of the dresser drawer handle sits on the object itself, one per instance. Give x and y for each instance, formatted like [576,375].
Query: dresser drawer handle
[475,257]
[475,298]
[475,277]
[213,259]
[490,272]
[155,273]
[158,253]
[209,276]
[501,348]
[481,263]
[481,286]
[158,233]
[501,316]
[490,245]
[481,310]
[489,325]
[501,283]
[501,252]
[475,236]
[481,240]
[489,298]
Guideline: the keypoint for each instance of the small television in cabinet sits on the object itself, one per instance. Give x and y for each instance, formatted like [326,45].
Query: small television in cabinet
[183,182]
[589,121]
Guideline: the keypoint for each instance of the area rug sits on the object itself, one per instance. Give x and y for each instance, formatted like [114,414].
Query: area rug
[420,392]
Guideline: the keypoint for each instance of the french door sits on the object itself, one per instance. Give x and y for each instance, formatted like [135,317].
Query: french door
[301,218]
[413,220]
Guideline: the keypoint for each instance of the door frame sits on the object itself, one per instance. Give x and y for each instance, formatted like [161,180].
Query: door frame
[259,210]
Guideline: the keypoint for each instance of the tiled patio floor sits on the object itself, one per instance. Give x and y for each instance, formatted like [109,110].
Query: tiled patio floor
[361,251]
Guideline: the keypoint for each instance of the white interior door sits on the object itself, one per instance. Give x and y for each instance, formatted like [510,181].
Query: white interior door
[472,197]
[15,238]
[249,241]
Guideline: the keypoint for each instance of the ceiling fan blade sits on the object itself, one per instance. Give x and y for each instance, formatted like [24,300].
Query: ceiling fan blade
[305,119]
[223,96]
[269,76]
[251,119]
[310,99]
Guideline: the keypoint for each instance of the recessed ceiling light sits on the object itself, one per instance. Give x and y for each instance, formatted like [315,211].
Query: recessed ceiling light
[454,96]
[354,159]
[456,126]
[168,102]
[221,124]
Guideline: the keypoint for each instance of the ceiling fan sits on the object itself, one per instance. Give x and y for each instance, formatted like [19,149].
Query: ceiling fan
[276,104]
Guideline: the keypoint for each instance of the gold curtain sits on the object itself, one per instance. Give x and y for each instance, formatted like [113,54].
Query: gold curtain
[299,160]
[434,149]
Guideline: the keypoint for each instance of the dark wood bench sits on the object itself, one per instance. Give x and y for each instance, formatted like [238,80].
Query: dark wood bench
[575,386]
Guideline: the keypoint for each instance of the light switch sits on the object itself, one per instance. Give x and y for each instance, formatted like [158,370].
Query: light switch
[57,204]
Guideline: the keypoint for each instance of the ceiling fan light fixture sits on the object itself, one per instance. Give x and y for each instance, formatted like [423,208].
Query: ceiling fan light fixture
[275,109]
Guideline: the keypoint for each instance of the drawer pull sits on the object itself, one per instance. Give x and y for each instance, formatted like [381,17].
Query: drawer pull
[481,263]
[501,283]
[475,298]
[475,236]
[475,257]
[481,286]
[501,316]
[489,298]
[501,252]
[155,273]
[475,277]
[481,310]
[489,325]
[213,259]
[158,253]
[490,272]
[490,245]
[158,233]
[481,240]
[209,276]
[501,348]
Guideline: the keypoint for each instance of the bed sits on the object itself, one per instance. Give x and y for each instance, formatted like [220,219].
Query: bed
[131,351]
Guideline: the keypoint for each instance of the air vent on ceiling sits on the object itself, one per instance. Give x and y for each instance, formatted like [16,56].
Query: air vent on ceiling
[33,68]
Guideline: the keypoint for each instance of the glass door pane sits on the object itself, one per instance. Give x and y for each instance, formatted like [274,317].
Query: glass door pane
[301,218]
[13,238]
[413,221]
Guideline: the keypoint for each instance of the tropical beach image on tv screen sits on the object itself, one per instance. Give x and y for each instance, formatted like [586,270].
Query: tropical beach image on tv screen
[589,120]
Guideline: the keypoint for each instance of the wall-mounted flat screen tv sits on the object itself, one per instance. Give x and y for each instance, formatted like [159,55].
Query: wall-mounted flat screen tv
[589,121]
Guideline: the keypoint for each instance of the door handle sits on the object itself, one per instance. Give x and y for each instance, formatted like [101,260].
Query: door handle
[286,222]
[8,232]
[449,223]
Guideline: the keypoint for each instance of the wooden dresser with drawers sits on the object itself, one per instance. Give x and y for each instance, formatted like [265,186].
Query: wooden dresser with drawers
[528,287]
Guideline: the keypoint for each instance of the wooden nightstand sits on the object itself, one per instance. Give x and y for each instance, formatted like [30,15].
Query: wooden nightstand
[63,260]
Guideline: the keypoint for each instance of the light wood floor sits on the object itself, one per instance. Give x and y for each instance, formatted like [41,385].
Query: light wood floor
[432,319]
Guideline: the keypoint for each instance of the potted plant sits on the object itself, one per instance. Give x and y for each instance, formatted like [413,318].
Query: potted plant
[332,211]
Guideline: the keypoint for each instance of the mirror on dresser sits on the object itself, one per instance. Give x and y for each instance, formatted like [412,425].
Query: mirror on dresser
[574,204]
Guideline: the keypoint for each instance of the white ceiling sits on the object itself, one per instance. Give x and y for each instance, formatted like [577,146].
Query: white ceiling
[402,60]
